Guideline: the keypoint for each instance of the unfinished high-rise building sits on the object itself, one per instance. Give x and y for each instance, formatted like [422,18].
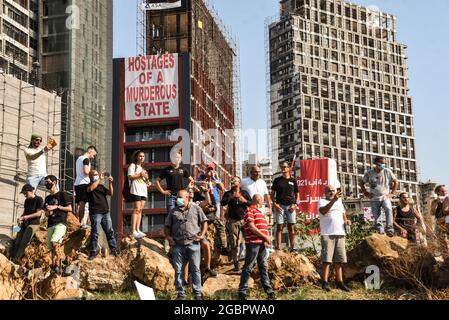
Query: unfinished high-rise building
[339,89]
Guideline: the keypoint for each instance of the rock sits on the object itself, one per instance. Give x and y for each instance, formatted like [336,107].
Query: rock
[5,244]
[375,250]
[151,265]
[73,223]
[109,274]
[11,283]
[223,284]
[287,270]
[58,288]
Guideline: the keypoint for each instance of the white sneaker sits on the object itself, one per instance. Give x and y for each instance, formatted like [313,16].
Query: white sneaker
[137,235]
[143,234]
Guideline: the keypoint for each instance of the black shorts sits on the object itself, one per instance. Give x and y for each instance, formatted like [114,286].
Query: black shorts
[135,198]
[81,193]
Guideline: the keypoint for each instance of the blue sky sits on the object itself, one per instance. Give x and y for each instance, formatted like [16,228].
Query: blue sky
[422,25]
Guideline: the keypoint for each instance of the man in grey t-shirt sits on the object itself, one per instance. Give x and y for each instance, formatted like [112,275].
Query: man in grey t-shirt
[380,180]
[185,227]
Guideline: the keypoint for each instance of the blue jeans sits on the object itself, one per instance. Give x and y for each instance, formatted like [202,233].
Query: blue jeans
[255,252]
[35,181]
[285,215]
[187,253]
[376,206]
[171,202]
[103,220]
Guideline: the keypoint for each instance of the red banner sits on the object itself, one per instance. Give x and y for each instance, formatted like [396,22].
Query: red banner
[311,183]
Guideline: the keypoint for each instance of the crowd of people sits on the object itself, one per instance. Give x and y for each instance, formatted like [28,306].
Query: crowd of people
[239,215]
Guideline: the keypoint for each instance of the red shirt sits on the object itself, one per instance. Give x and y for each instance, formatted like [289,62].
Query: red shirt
[254,215]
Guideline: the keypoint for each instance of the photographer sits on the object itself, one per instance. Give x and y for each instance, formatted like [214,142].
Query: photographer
[237,201]
[333,236]
[99,211]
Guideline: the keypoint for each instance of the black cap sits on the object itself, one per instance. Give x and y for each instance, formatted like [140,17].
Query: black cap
[27,188]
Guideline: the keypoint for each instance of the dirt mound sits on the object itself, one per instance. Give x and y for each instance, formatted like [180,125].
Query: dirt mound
[224,285]
[11,282]
[288,270]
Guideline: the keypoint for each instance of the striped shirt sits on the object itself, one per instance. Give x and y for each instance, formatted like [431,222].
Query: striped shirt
[254,215]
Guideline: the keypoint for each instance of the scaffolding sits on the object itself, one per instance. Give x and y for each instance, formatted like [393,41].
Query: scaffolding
[21,117]
[141,28]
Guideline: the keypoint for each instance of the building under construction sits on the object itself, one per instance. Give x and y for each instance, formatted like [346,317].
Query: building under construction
[25,110]
[208,99]
[339,89]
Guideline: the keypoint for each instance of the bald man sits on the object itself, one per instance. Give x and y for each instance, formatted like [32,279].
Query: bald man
[254,184]
[333,235]
[257,240]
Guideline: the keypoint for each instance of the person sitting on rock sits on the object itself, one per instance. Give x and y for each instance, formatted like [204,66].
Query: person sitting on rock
[99,211]
[333,236]
[185,227]
[257,240]
[406,218]
[29,222]
[57,206]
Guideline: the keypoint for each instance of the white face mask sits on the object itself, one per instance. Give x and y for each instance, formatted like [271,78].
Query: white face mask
[95,178]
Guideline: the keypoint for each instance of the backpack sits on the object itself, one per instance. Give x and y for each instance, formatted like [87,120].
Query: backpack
[126,190]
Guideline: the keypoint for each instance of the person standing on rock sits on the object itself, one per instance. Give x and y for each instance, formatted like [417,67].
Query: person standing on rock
[380,180]
[139,182]
[57,206]
[99,212]
[185,228]
[439,209]
[29,222]
[175,176]
[83,167]
[237,201]
[333,236]
[37,165]
[257,240]
[285,195]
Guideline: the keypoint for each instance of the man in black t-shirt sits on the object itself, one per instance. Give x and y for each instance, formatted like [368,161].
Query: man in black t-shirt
[29,222]
[99,212]
[238,201]
[285,195]
[175,176]
[57,205]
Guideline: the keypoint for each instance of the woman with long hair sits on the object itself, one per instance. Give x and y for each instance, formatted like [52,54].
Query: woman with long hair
[139,183]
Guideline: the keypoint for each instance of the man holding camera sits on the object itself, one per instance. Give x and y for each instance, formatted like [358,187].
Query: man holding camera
[99,211]
[333,235]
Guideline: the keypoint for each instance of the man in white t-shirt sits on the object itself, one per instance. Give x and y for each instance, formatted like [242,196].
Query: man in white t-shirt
[83,167]
[37,164]
[333,235]
[256,185]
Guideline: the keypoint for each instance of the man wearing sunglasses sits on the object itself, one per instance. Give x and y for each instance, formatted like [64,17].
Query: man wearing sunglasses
[37,164]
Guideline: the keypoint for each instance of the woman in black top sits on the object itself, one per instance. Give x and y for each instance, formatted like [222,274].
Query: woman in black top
[406,218]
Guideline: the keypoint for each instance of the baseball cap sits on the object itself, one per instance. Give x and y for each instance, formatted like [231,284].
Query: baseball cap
[27,188]
[210,166]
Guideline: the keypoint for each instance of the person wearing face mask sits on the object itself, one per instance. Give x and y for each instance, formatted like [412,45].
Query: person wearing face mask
[57,205]
[99,212]
[380,180]
[185,228]
[439,209]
